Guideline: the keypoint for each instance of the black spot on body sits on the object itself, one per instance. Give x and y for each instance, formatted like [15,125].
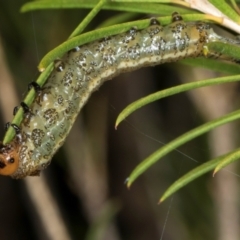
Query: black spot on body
[154,21]
[36,136]
[51,116]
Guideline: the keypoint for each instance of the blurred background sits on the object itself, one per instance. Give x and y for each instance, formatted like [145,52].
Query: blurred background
[82,194]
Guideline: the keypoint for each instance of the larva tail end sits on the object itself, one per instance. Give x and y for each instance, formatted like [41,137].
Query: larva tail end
[9,159]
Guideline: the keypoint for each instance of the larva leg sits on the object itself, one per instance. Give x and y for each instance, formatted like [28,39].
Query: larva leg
[27,114]
[37,89]
[18,133]
[7,125]
[76,49]
[16,128]
[15,110]
[59,65]
[24,106]
[154,21]
[35,86]
[176,17]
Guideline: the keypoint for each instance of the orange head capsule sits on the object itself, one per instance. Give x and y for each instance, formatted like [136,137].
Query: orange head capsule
[9,158]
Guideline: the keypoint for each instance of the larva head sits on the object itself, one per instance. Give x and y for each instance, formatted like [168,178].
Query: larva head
[9,159]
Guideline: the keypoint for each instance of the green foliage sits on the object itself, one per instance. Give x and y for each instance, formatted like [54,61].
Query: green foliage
[153,8]
[226,9]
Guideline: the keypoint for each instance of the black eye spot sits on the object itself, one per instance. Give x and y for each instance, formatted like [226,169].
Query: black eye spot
[2,165]
[11,160]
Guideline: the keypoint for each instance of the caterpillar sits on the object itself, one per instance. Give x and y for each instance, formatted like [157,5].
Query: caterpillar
[81,71]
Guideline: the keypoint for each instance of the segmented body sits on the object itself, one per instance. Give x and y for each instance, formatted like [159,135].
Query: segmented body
[80,72]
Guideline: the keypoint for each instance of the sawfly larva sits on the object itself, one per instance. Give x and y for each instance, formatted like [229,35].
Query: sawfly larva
[81,71]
